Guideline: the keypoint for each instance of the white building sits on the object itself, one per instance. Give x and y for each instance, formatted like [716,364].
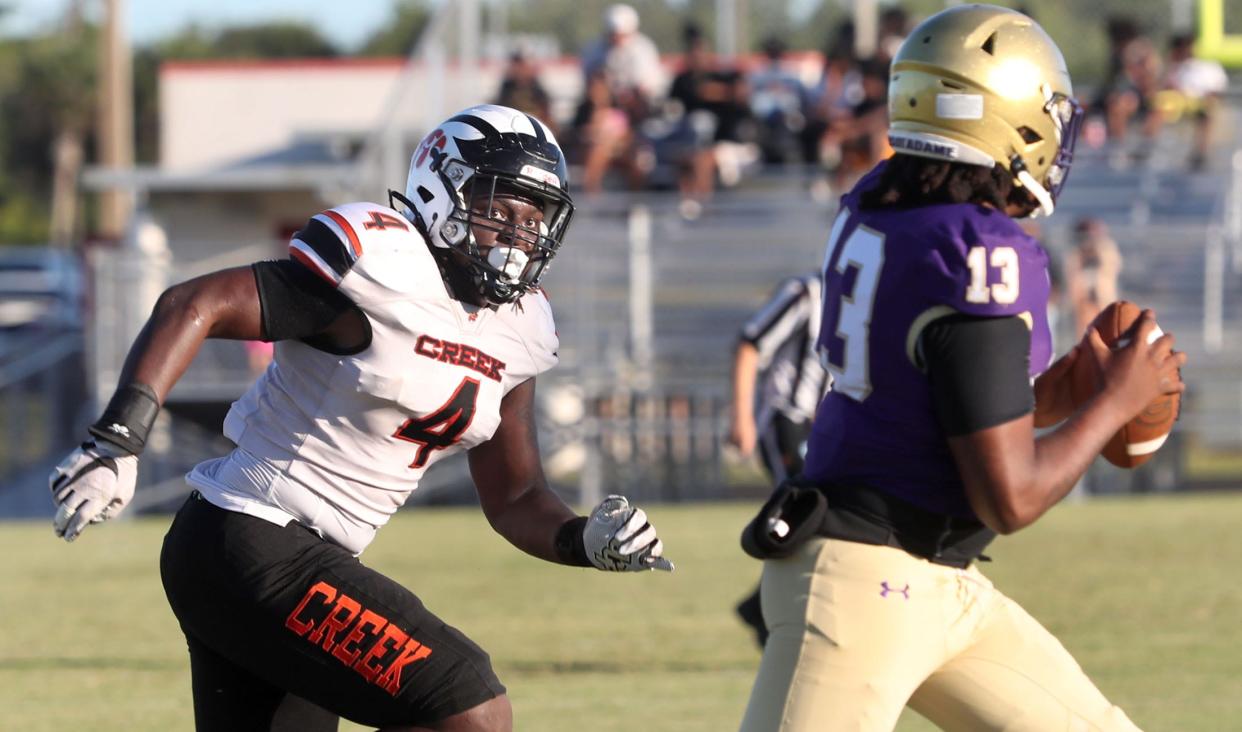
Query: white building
[250,149]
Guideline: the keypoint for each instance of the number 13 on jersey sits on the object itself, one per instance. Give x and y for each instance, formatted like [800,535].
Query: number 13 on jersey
[852,270]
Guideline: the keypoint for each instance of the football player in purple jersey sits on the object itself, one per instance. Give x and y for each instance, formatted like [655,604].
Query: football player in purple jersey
[403,334]
[934,328]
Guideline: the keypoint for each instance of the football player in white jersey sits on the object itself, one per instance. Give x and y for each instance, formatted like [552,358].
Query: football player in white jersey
[403,335]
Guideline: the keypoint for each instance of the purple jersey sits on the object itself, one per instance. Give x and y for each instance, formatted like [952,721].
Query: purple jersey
[887,274]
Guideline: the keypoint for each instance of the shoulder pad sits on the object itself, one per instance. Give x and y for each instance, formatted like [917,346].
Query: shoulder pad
[532,317]
[332,241]
[992,271]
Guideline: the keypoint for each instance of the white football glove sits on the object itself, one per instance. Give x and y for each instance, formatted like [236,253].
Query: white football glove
[92,485]
[618,538]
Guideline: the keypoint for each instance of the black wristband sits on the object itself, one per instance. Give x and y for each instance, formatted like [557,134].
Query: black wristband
[569,547]
[127,420]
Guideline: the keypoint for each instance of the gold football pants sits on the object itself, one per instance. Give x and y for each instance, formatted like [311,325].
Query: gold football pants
[860,631]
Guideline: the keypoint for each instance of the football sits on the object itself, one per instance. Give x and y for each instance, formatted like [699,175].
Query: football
[1139,438]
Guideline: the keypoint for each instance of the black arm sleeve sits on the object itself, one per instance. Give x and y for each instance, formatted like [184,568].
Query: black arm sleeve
[297,305]
[979,371]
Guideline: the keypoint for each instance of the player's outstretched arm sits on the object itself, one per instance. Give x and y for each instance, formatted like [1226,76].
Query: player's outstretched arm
[1011,478]
[96,481]
[520,506]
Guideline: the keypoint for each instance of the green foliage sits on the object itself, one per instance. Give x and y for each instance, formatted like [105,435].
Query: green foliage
[47,84]
[262,40]
[23,216]
[146,105]
[1142,591]
[274,40]
[397,36]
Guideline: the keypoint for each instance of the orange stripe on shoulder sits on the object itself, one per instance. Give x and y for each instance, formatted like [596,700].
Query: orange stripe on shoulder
[311,265]
[342,222]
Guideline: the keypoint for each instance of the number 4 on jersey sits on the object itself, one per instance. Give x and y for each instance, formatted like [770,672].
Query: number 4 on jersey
[443,427]
[382,221]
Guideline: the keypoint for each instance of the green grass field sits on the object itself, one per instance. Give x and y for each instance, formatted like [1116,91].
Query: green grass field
[1145,592]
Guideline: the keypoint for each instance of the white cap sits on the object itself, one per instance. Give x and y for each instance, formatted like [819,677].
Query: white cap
[621,19]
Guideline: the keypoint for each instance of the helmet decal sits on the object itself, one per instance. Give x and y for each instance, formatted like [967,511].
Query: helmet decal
[434,140]
[959,106]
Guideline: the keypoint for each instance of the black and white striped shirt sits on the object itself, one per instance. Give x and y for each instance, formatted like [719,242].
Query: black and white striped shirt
[784,332]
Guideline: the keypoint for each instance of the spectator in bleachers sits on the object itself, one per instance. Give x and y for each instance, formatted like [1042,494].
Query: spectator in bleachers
[1196,85]
[840,84]
[893,28]
[1120,31]
[860,137]
[521,90]
[1133,97]
[715,114]
[603,137]
[1092,267]
[778,101]
[829,102]
[629,60]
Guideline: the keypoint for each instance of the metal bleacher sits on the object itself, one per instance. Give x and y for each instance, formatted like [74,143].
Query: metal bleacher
[1182,247]
[1180,234]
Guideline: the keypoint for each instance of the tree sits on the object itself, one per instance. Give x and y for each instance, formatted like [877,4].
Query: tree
[47,103]
[263,40]
[273,40]
[398,36]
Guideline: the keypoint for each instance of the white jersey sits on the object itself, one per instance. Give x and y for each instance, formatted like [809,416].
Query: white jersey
[339,442]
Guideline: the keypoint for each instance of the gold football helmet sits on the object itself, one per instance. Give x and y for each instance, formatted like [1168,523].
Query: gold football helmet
[980,84]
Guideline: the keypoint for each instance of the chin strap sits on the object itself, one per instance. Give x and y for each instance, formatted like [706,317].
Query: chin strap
[1027,181]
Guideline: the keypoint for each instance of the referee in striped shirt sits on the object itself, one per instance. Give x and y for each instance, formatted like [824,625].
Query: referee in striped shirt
[776,353]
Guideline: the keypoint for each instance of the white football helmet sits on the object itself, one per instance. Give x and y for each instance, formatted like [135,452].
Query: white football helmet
[485,151]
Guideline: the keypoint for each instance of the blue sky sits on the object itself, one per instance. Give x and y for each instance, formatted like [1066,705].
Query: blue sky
[347,23]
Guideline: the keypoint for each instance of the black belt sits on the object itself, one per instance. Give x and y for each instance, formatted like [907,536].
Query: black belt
[798,510]
[868,516]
